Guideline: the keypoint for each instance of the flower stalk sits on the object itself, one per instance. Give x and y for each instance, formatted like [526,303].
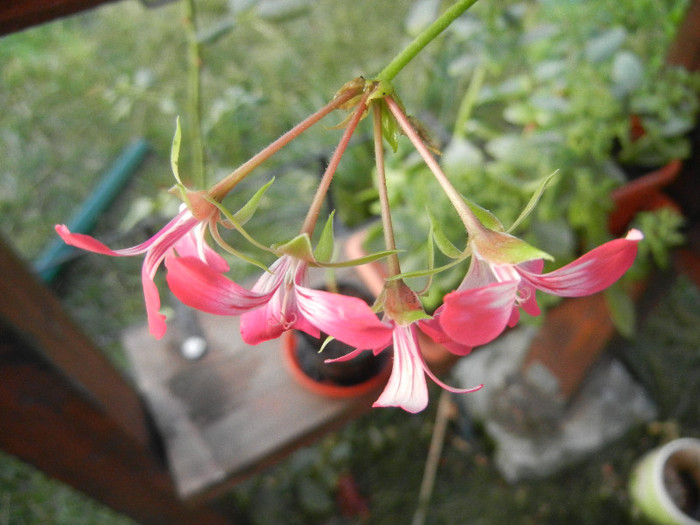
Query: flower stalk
[471,223]
[194,94]
[224,186]
[320,196]
[389,239]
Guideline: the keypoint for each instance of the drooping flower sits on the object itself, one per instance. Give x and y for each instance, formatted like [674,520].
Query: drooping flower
[404,317]
[504,274]
[279,301]
[184,234]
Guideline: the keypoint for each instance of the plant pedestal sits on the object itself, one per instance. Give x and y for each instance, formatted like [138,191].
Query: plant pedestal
[234,411]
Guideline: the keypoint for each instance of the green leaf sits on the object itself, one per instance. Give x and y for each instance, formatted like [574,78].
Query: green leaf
[441,241]
[175,151]
[622,310]
[248,210]
[324,248]
[533,201]
[627,72]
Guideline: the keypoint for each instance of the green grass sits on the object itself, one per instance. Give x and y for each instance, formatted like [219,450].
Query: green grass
[77,91]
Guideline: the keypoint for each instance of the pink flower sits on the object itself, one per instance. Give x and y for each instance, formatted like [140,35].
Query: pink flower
[184,233]
[278,302]
[406,387]
[501,279]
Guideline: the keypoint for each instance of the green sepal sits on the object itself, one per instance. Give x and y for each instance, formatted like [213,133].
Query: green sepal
[326,243]
[503,248]
[391,131]
[239,227]
[485,217]
[249,208]
[430,271]
[357,262]
[175,151]
[230,249]
[533,201]
[441,241]
[180,192]
[325,343]
[299,247]
[409,316]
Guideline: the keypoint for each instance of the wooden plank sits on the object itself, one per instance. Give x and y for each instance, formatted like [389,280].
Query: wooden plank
[16,15]
[231,413]
[51,422]
[34,312]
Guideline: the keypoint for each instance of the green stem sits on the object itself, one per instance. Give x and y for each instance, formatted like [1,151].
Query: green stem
[467,104]
[471,222]
[423,39]
[389,239]
[320,196]
[221,189]
[194,95]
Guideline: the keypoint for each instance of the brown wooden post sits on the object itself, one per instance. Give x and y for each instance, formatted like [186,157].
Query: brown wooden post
[64,409]
[685,49]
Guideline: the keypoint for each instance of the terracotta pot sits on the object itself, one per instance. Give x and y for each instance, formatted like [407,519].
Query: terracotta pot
[356,377]
[641,194]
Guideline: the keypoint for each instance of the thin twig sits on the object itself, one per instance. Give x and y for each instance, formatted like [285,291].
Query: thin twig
[434,453]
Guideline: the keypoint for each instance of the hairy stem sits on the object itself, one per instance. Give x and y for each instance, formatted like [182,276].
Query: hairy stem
[223,187]
[471,223]
[389,240]
[320,196]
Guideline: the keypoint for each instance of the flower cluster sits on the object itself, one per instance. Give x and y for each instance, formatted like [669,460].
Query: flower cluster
[503,275]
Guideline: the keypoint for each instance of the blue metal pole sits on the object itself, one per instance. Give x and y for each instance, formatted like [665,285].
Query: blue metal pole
[50,260]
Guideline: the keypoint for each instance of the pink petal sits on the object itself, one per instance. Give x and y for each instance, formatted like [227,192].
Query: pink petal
[479,274]
[591,272]
[85,242]
[156,320]
[348,319]
[406,387]
[432,328]
[261,325]
[477,316]
[191,245]
[201,287]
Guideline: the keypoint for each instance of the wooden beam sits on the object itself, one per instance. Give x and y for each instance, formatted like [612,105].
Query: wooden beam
[51,422]
[685,49]
[16,15]
[34,312]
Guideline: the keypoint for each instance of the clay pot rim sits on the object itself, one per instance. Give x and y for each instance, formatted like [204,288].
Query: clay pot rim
[328,389]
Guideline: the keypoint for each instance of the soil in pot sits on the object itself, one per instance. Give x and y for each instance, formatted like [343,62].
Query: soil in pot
[364,369]
[681,476]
